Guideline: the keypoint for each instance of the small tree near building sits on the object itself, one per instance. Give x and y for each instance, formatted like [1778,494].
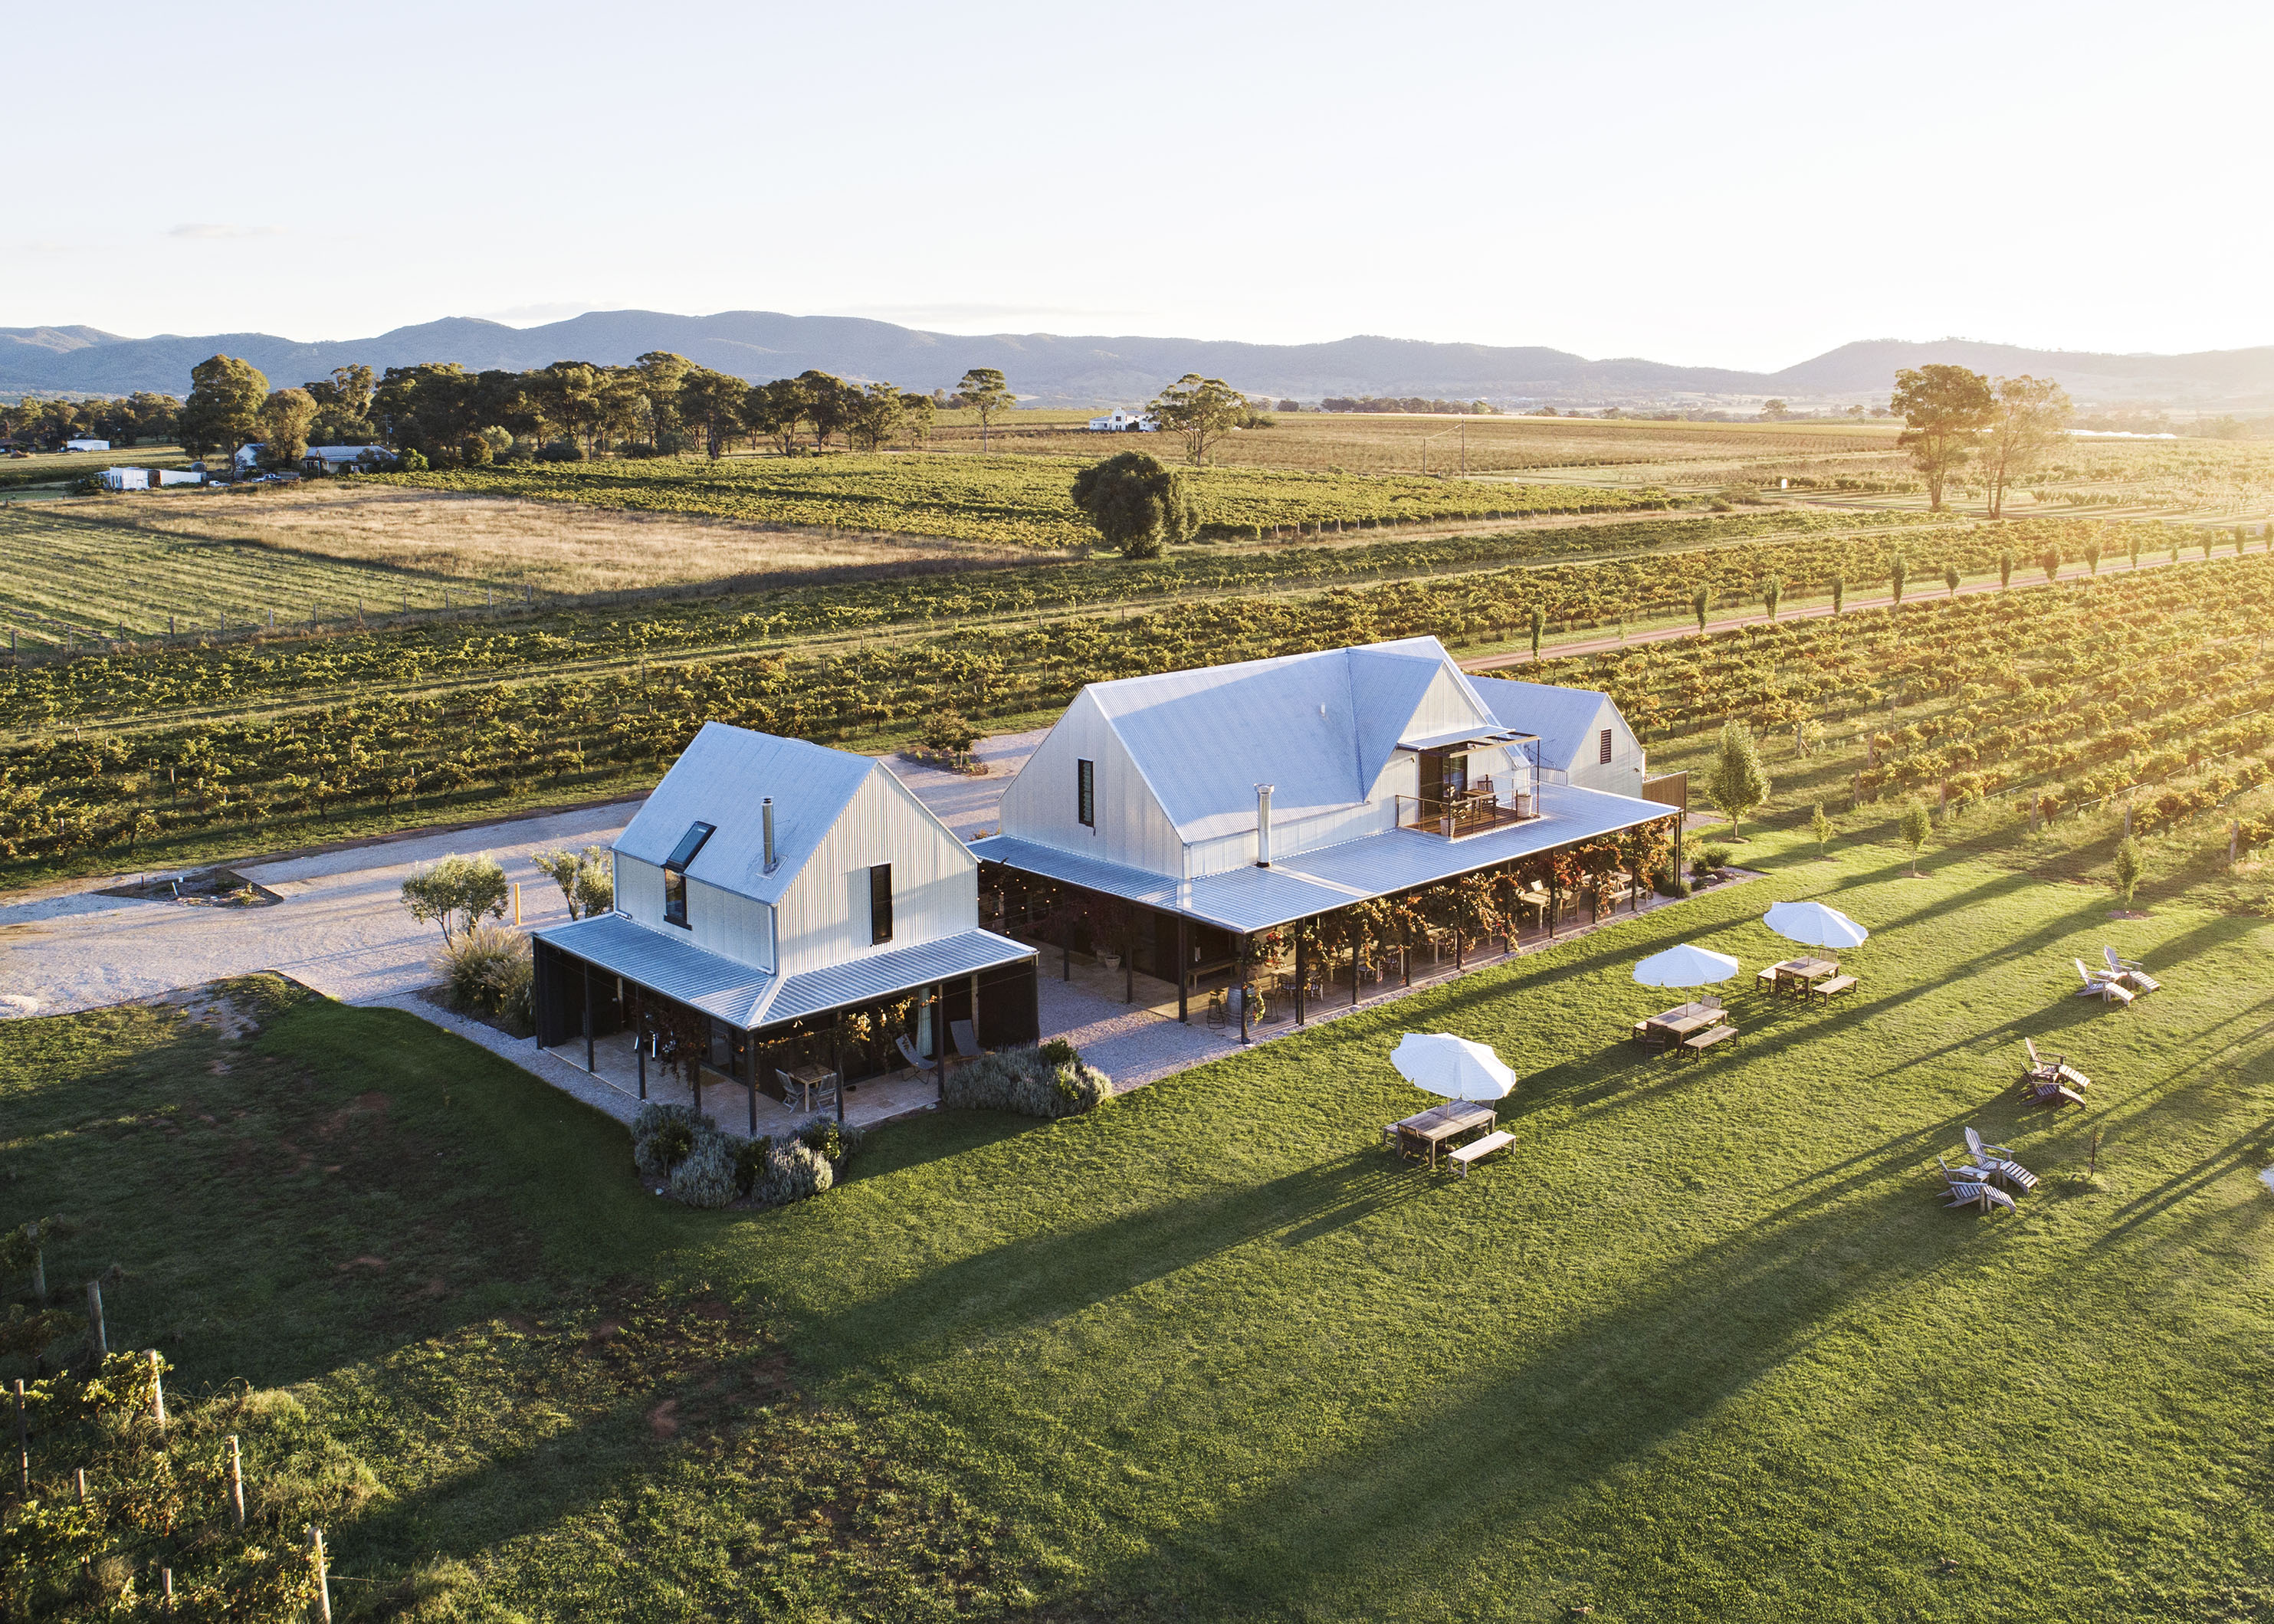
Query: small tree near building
[456,892]
[1914,827]
[1819,830]
[1738,782]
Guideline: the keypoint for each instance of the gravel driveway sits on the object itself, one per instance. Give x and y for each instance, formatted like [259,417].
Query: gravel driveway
[339,927]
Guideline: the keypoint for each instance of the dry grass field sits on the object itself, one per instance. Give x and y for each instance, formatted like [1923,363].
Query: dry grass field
[1602,450]
[560,547]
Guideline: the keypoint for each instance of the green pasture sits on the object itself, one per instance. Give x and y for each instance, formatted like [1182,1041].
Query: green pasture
[66,574]
[1705,1346]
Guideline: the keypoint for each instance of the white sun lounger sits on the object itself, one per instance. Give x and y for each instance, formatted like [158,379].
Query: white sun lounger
[1997,1161]
[2102,987]
[2129,972]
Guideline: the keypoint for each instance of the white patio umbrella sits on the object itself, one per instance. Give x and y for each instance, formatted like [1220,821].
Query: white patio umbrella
[1815,923]
[1685,966]
[1454,1067]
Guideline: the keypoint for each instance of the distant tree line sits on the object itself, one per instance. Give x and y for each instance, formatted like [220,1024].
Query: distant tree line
[136,420]
[1412,402]
[439,415]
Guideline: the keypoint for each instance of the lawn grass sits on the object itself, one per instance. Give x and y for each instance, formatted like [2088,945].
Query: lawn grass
[1705,1346]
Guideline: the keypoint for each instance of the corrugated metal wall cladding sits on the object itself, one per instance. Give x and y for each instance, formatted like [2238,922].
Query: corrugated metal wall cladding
[825,915]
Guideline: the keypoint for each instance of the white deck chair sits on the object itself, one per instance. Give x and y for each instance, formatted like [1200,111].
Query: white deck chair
[2103,986]
[1997,1161]
[1970,1186]
[2128,972]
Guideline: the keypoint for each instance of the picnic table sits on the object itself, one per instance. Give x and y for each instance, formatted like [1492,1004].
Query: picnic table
[811,1080]
[1797,976]
[1674,1024]
[1424,1134]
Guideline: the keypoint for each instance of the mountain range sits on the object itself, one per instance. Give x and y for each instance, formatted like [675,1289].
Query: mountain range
[1054,370]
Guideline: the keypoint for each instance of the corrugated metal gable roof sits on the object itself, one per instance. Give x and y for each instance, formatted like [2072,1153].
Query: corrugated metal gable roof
[721,778]
[1317,727]
[1563,717]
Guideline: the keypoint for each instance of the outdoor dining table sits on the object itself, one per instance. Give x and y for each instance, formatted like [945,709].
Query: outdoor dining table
[1424,1134]
[813,1079]
[1680,1022]
[1803,972]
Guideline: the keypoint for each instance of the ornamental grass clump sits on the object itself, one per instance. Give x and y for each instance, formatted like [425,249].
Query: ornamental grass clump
[489,970]
[1048,1082]
[791,1172]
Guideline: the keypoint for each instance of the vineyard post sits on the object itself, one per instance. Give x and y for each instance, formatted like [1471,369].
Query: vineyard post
[96,1336]
[236,1481]
[157,1390]
[323,1574]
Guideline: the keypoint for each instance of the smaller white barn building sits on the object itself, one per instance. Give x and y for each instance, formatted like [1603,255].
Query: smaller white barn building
[769,887]
[87,445]
[1123,423]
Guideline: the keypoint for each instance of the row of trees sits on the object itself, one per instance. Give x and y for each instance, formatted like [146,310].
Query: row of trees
[1391,403]
[662,404]
[1954,415]
[131,420]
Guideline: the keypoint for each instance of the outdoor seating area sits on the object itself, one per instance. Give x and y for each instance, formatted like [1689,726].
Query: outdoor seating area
[1680,1023]
[2102,985]
[1976,1183]
[1691,1029]
[1466,1129]
[2054,1082]
[2132,975]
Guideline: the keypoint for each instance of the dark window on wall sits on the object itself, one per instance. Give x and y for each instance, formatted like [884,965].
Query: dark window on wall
[1085,793]
[1605,755]
[880,902]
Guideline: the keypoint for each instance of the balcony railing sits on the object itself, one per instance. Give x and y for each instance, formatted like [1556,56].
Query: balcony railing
[1466,812]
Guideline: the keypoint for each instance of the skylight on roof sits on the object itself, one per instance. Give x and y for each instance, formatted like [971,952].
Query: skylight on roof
[690,843]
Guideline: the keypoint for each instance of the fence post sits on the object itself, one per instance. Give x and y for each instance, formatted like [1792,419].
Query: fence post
[236,1481]
[157,1390]
[323,1574]
[95,1331]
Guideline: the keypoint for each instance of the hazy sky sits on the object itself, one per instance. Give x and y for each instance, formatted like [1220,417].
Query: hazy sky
[1741,184]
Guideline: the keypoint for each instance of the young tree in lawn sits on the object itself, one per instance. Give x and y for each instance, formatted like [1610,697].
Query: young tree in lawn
[1738,782]
[1136,501]
[2026,418]
[1898,573]
[1538,621]
[2050,561]
[1772,594]
[1839,591]
[1819,830]
[2004,568]
[1914,827]
[1950,578]
[984,390]
[456,892]
[1700,601]
[2128,869]
[1944,410]
[1202,410]
[224,408]
[2092,555]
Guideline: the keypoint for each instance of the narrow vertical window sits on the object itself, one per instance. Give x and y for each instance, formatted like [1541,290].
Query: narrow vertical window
[675,873]
[880,902]
[1085,793]
[1606,755]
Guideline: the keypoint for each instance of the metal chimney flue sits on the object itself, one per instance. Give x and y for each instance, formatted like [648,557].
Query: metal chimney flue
[767,809]
[1263,826]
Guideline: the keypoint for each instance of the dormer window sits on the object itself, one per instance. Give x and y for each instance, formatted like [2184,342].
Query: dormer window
[675,873]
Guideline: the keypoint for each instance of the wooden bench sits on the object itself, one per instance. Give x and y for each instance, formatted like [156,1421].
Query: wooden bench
[1705,1040]
[1477,1150]
[1834,988]
[1766,980]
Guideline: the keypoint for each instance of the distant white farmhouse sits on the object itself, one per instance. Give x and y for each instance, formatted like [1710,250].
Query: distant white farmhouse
[148,478]
[87,445]
[1123,423]
[768,886]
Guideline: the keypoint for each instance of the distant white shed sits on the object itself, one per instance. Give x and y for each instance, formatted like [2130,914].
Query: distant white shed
[87,445]
[1123,423]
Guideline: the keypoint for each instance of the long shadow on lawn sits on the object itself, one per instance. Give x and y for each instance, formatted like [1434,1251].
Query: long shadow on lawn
[1483,1462]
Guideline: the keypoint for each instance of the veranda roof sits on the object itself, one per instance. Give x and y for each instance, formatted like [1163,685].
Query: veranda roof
[1249,899]
[749,998]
